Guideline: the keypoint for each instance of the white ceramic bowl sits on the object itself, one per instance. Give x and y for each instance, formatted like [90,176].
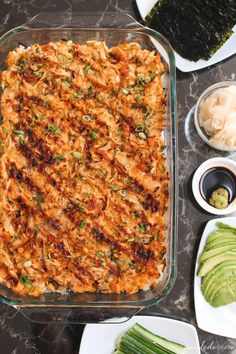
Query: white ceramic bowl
[201,132]
[205,166]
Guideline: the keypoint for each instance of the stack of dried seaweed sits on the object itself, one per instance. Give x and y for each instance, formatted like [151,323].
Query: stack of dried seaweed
[195,28]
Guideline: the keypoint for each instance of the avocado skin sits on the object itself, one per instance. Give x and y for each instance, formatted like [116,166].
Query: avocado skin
[226,295]
[216,250]
[222,271]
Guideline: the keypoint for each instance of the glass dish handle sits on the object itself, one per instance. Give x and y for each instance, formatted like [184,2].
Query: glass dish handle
[81,20]
[73,315]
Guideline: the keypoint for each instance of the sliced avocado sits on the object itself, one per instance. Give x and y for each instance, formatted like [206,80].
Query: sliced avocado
[221,225]
[218,286]
[219,241]
[216,250]
[226,295]
[220,233]
[210,263]
[222,271]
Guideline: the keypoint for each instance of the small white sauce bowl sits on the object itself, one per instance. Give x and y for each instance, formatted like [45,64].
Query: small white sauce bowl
[201,170]
[201,132]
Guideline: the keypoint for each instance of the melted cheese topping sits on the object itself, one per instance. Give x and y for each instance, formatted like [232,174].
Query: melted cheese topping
[83,179]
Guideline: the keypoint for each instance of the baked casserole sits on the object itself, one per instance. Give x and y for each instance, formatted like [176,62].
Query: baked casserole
[83,178]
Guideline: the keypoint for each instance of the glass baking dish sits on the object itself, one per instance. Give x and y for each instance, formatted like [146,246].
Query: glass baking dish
[112,28]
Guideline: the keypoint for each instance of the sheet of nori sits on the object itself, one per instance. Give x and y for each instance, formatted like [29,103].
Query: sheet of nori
[194,28]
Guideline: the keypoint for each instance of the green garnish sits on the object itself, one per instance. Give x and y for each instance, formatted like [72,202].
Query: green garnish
[82,224]
[142,135]
[87,118]
[124,91]
[87,198]
[139,128]
[100,254]
[143,228]
[148,111]
[94,135]
[59,157]
[77,94]
[155,237]
[38,73]
[123,195]
[39,198]
[113,187]
[18,132]
[152,75]
[27,263]
[36,232]
[78,155]
[139,98]
[26,281]
[47,104]
[88,67]
[54,129]
[128,181]
[81,208]
[66,83]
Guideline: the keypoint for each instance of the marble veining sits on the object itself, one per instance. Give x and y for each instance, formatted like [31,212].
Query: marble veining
[17,334]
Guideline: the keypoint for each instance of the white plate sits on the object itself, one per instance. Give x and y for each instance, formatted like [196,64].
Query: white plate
[228,48]
[221,320]
[101,338]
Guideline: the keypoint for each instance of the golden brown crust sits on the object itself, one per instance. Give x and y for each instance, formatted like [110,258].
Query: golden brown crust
[83,179]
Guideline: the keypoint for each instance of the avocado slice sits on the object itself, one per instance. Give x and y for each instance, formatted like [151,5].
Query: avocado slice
[216,250]
[220,233]
[218,286]
[221,225]
[219,241]
[222,271]
[210,263]
[225,296]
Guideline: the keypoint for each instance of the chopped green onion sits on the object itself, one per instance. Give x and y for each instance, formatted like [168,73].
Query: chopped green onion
[94,135]
[66,83]
[139,99]
[82,224]
[100,254]
[26,281]
[38,197]
[141,228]
[123,195]
[128,181]
[55,129]
[18,132]
[27,263]
[87,118]
[142,135]
[155,237]
[88,67]
[38,73]
[124,91]
[59,157]
[152,75]
[81,208]
[139,128]
[113,187]
[47,104]
[78,155]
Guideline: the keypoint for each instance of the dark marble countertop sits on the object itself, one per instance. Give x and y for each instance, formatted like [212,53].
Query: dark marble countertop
[20,336]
